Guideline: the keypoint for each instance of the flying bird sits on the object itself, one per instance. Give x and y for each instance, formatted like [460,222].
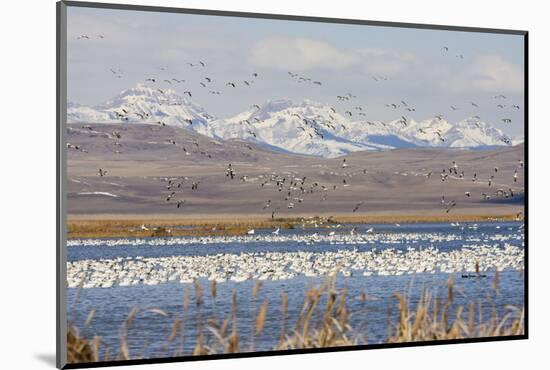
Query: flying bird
[450,206]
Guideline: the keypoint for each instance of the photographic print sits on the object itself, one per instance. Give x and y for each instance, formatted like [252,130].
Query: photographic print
[240,184]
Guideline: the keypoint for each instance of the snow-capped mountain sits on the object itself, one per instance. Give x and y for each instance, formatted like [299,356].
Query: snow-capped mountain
[143,104]
[307,127]
[468,133]
[313,128]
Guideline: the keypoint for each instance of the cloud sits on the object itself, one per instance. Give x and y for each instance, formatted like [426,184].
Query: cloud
[302,54]
[388,62]
[299,54]
[483,74]
[488,73]
[140,35]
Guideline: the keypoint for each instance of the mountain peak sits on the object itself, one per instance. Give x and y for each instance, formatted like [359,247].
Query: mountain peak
[305,127]
[143,104]
[144,92]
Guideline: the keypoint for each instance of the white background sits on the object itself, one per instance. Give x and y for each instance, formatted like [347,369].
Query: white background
[27,144]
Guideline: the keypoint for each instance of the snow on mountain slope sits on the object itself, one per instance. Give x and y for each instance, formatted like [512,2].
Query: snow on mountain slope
[307,127]
[143,104]
[304,128]
[468,133]
[518,141]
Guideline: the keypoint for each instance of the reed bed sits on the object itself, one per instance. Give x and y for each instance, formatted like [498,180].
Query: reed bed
[163,227]
[323,322]
[167,228]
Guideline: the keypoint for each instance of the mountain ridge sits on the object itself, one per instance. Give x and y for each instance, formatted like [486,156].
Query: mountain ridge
[305,127]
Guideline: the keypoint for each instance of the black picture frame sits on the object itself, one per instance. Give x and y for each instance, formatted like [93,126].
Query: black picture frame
[61,110]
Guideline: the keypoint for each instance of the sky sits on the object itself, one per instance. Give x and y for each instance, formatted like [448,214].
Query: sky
[411,65]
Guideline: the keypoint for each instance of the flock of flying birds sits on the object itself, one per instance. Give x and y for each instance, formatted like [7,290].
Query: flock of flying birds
[295,188]
[292,190]
[354,110]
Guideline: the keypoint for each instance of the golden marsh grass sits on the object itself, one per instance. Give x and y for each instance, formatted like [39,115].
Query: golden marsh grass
[323,321]
[230,226]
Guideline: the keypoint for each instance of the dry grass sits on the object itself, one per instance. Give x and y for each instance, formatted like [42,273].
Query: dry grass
[162,227]
[429,320]
[388,219]
[319,325]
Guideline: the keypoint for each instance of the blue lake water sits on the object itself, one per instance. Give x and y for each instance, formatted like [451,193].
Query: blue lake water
[149,332]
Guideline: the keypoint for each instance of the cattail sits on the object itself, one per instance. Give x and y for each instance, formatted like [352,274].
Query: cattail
[95,347]
[89,318]
[213,289]
[185,299]
[496,281]
[198,293]
[234,302]
[480,312]
[131,316]
[284,304]
[175,328]
[307,319]
[450,293]
[260,320]
[107,355]
[342,311]
[198,350]
[403,314]
[419,319]
[124,351]
[256,289]
[471,319]
[224,326]
[234,338]
[444,319]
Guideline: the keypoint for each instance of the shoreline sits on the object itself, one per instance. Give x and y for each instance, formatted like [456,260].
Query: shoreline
[104,226]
